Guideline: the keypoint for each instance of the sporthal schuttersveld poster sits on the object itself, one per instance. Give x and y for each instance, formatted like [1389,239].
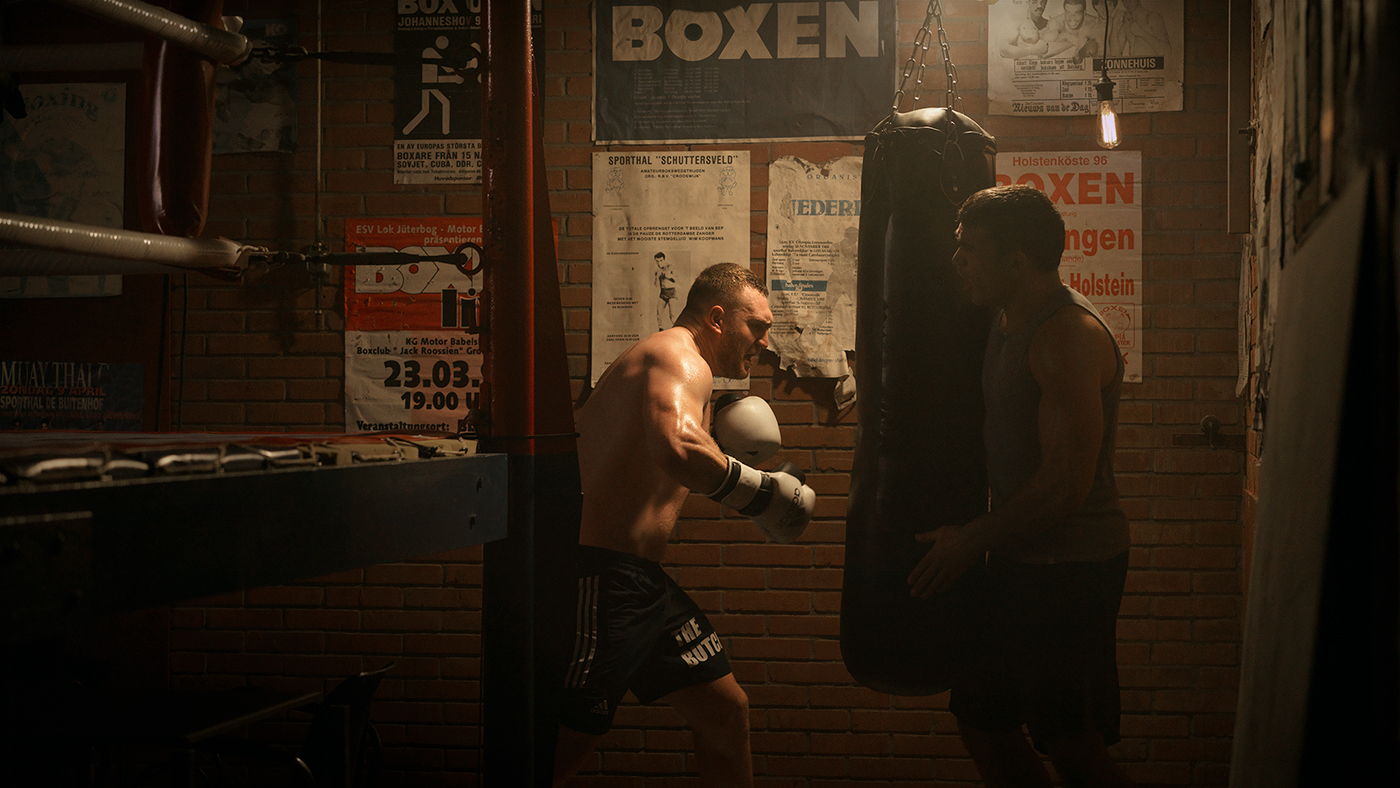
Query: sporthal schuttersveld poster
[659,219]
[712,70]
[1044,56]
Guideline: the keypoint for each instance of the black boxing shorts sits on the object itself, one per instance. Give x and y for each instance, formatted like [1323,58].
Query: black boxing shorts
[1047,655]
[636,630]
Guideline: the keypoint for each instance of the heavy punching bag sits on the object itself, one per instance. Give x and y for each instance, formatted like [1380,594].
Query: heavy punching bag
[919,461]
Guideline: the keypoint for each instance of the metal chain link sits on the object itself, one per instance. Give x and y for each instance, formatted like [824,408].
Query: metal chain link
[915,65]
[950,72]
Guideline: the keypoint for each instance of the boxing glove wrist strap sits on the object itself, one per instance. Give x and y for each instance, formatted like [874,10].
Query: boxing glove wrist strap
[740,486]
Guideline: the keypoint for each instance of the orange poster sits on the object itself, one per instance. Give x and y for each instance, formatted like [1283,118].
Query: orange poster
[412,352]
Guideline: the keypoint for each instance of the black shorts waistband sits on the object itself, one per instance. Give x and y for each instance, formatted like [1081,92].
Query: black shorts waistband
[590,557]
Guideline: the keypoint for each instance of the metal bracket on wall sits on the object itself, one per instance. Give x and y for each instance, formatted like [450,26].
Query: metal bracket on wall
[1210,436]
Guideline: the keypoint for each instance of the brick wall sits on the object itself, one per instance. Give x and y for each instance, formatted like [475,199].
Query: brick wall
[259,357]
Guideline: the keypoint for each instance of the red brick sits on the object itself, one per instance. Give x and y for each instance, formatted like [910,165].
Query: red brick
[244,619]
[245,664]
[805,578]
[289,596]
[768,648]
[404,574]
[768,696]
[808,673]
[723,577]
[201,640]
[898,721]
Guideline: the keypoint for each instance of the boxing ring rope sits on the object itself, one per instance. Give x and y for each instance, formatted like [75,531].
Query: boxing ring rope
[103,247]
[223,46]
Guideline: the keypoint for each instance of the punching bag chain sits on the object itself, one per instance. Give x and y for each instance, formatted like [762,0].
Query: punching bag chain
[914,66]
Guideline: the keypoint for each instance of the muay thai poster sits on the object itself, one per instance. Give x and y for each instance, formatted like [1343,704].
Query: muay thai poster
[255,103]
[813,233]
[659,219]
[412,351]
[66,160]
[1099,194]
[71,395]
[712,70]
[1044,56]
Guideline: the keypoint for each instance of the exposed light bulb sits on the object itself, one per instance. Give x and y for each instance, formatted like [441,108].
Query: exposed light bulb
[1108,125]
[1108,119]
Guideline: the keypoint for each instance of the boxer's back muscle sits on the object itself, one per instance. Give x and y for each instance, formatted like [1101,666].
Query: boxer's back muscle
[630,502]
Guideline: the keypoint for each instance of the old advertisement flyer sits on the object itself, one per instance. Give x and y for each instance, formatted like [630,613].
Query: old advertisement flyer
[659,219]
[813,231]
[66,160]
[1099,194]
[1044,56]
[255,106]
[412,355]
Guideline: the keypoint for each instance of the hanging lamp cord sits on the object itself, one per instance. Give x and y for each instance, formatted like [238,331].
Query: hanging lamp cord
[1103,64]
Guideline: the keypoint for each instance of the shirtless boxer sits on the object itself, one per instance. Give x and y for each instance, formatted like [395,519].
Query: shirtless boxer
[644,444]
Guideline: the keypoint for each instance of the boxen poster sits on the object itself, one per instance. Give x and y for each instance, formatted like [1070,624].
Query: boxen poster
[1099,194]
[721,70]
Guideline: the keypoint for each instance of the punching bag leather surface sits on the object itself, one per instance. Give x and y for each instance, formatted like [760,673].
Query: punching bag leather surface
[919,460]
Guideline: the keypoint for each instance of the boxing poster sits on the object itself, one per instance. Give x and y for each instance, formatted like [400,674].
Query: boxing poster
[713,70]
[1044,56]
[437,95]
[659,219]
[71,395]
[813,232]
[412,351]
[1099,194]
[66,160]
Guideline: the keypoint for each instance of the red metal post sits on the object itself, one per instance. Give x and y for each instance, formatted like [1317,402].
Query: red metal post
[508,179]
[529,416]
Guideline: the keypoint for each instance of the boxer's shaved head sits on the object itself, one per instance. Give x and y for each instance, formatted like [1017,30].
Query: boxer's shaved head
[723,284]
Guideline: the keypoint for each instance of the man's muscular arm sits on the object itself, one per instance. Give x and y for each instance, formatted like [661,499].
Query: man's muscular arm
[678,390]
[1072,358]
[1012,48]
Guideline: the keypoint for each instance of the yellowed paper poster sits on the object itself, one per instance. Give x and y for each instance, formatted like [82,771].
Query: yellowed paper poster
[659,219]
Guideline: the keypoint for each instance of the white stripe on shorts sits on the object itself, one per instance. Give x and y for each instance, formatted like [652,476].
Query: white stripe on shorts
[586,629]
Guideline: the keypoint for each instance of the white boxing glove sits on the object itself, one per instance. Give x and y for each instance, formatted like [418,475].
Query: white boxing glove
[778,502]
[746,428]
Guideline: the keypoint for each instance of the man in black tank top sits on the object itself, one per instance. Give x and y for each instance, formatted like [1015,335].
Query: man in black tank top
[1056,539]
